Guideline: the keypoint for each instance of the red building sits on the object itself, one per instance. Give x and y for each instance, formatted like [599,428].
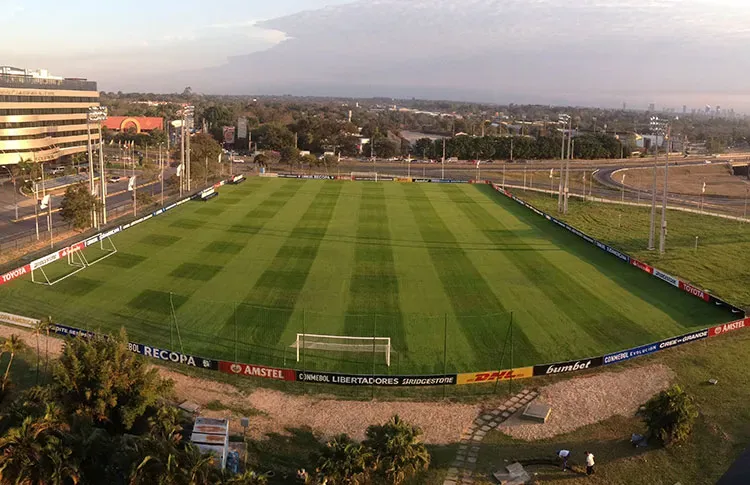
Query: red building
[138,124]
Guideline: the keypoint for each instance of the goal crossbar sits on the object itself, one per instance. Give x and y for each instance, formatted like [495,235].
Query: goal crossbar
[343,343]
[365,176]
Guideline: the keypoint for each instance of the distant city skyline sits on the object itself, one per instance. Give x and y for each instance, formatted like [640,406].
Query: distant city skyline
[592,53]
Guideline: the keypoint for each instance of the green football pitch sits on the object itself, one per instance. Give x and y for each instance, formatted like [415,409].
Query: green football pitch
[442,270]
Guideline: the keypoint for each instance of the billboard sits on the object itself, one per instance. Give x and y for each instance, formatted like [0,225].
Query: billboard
[242,128]
[228,134]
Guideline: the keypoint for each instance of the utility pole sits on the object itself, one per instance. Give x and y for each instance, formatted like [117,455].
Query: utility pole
[656,128]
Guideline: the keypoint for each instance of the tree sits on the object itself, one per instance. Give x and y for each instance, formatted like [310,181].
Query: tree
[310,160]
[34,451]
[670,416]
[11,346]
[205,152]
[78,205]
[344,461]
[273,137]
[398,449]
[289,155]
[102,381]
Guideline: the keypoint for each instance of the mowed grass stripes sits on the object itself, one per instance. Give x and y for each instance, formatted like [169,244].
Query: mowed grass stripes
[437,268]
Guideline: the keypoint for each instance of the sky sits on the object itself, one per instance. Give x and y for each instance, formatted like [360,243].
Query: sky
[582,52]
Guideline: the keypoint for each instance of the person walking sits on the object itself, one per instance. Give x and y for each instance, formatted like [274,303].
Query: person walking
[589,463]
[563,455]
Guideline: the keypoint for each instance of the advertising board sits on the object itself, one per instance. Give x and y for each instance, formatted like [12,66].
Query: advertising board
[569,366]
[172,356]
[249,370]
[494,375]
[384,381]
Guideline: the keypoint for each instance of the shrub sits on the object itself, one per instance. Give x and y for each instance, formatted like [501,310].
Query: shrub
[670,416]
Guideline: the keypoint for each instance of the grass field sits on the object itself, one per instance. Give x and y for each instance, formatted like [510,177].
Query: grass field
[426,265]
[721,263]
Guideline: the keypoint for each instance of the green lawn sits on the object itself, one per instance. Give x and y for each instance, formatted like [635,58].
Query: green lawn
[721,264]
[239,276]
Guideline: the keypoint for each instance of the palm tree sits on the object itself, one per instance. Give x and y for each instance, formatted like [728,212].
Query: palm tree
[46,325]
[343,461]
[247,478]
[34,452]
[12,345]
[398,449]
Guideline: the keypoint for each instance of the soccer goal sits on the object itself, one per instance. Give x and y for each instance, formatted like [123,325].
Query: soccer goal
[67,262]
[372,176]
[106,249]
[344,344]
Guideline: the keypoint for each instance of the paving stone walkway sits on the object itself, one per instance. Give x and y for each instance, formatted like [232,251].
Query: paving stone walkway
[462,469]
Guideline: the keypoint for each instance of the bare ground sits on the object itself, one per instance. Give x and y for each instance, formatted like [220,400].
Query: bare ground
[689,180]
[575,402]
[588,400]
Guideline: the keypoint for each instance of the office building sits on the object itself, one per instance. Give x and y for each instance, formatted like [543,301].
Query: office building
[43,117]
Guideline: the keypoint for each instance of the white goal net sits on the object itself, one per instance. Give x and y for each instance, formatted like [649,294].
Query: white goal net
[373,176]
[341,343]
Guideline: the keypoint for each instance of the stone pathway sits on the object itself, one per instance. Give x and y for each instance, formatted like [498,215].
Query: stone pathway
[462,469]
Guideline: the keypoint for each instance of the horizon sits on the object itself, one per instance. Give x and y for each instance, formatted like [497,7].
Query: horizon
[315,48]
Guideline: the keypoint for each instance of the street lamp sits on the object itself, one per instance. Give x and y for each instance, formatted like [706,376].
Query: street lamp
[98,114]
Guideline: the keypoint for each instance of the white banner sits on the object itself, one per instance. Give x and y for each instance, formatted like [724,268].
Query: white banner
[131,184]
[18,320]
[44,202]
[50,258]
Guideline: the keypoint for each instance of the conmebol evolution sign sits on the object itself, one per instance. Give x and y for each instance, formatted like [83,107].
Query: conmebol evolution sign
[384,381]
[654,347]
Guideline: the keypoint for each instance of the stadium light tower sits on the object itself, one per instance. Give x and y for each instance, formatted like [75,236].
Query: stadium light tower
[663,233]
[188,117]
[657,128]
[98,114]
[563,119]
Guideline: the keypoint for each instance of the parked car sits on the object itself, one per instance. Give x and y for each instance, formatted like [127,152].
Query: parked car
[115,178]
[57,171]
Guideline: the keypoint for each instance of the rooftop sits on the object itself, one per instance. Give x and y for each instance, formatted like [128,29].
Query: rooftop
[13,77]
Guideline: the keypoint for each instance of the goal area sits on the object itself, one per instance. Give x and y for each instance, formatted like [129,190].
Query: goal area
[340,343]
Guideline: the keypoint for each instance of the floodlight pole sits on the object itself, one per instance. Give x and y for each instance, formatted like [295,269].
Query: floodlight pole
[442,175]
[663,235]
[161,171]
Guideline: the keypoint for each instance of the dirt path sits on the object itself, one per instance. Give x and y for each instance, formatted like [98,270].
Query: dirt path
[587,400]
[576,402]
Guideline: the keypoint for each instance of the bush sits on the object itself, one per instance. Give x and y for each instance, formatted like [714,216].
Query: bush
[670,416]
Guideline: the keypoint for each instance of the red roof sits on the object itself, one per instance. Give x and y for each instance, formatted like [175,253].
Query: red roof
[138,123]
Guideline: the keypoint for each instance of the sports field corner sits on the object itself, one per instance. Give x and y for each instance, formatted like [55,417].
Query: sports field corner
[458,277]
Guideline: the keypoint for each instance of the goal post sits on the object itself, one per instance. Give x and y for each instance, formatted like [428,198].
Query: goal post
[106,247]
[371,176]
[343,343]
[72,257]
